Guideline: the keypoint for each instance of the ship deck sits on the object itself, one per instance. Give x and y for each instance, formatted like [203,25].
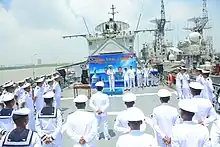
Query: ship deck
[146,101]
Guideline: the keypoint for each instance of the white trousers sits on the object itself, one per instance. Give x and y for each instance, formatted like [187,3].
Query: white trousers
[126,84]
[39,103]
[57,102]
[132,82]
[103,120]
[111,84]
[153,80]
[139,81]
[31,122]
[146,81]
[186,93]
[179,92]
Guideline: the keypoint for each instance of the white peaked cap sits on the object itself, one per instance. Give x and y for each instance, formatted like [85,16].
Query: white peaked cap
[134,114]
[39,80]
[196,85]
[129,97]
[49,80]
[22,112]
[26,85]
[48,95]
[164,93]
[100,83]
[7,97]
[56,76]
[188,105]
[205,71]
[9,84]
[81,99]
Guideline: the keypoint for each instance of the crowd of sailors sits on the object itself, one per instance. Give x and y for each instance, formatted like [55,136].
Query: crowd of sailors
[184,128]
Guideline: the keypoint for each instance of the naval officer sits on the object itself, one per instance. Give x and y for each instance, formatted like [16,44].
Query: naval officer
[6,122]
[121,123]
[189,133]
[146,75]
[206,113]
[186,79]
[199,76]
[38,94]
[164,118]
[126,79]
[111,78]
[57,91]
[135,138]
[207,92]
[139,77]
[20,136]
[19,91]
[131,77]
[81,125]
[99,102]
[49,123]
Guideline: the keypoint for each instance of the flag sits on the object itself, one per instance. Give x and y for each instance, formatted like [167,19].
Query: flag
[5,4]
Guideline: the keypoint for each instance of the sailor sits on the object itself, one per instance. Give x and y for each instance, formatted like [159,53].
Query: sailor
[111,78]
[146,76]
[139,77]
[199,76]
[131,77]
[57,91]
[19,91]
[135,138]
[207,92]
[186,80]
[99,102]
[164,118]
[189,133]
[9,87]
[20,136]
[49,86]
[38,94]
[126,79]
[28,102]
[153,72]
[49,123]
[206,113]
[81,125]
[179,83]
[121,124]
[6,122]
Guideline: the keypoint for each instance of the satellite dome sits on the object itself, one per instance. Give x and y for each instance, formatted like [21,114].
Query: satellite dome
[171,57]
[195,37]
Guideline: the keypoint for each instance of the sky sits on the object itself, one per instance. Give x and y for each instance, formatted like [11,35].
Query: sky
[32,29]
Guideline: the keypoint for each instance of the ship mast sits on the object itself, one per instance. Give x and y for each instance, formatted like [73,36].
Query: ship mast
[113,12]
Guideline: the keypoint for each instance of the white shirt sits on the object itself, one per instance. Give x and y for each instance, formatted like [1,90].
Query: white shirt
[126,75]
[111,74]
[99,101]
[139,73]
[131,73]
[146,72]
[136,139]
[57,89]
[207,92]
[186,80]
[179,77]
[199,78]
[6,122]
[190,134]
[215,133]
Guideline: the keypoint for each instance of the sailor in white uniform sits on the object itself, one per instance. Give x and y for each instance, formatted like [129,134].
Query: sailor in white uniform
[19,91]
[146,76]
[81,125]
[111,78]
[135,138]
[189,133]
[164,118]
[185,88]
[20,136]
[121,124]
[6,121]
[206,113]
[28,102]
[139,77]
[207,92]
[49,86]
[154,73]
[57,91]
[49,123]
[126,79]
[199,77]
[9,87]
[99,102]
[38,94]
[131,77]
[179,84]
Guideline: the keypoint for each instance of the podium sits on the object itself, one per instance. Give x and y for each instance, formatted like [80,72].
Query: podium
[87,87]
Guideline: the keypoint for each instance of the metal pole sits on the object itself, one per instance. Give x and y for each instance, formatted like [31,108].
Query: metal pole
[33,66]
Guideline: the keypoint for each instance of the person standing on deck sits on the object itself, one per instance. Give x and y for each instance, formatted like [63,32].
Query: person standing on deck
[38,94]
[199,77]
[57,91]
[121,124]
[19,91]
[131,77]
[81,126]
[189,133]
[111,78]
[139,77]
[154,73]
[135,138]
[10,88]
[126,80]
[146,76]
[99,102]
[179,83]
[207,92]
[164,118]
[185,87]
[49,86]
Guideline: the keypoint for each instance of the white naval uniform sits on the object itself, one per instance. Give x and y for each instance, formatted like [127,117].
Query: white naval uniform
[48,88]
[136,138]
[207,92]
[6,121]
[126,80]
[190,134]
[100,101]
[49,122]
[81,124]
[153,76]
[215,133]
[206,112]
[25,138]
[199,78]
[39,102]
[111,79]
[179,78]
[139,78]
[186,90]
[146,76]
[121,124]
[164,118]
[57,89]
[131,78]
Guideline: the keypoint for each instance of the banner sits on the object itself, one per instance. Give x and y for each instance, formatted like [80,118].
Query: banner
[99,65]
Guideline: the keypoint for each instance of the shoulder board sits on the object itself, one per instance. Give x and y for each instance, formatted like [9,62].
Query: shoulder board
[48,112]
[71,112]
[12,139]
[89,111]
[6,113]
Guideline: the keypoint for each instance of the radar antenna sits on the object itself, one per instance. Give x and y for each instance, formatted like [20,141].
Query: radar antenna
[113,12]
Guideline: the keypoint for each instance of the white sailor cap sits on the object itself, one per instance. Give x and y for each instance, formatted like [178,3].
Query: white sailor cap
[22,81]
[21,112]
[56,76]
[8,97]
[81,99]
[49,80]
[39,80]
[8,84]
[205,71]
[199,69]
[164,93]
[196,85]
[134,114]
[26,85]
[27,78]
[48,95]
[188,105]
[100,84]
[129,97]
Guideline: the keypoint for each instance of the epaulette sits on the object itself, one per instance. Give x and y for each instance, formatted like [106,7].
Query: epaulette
[89,111]
[71,112]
